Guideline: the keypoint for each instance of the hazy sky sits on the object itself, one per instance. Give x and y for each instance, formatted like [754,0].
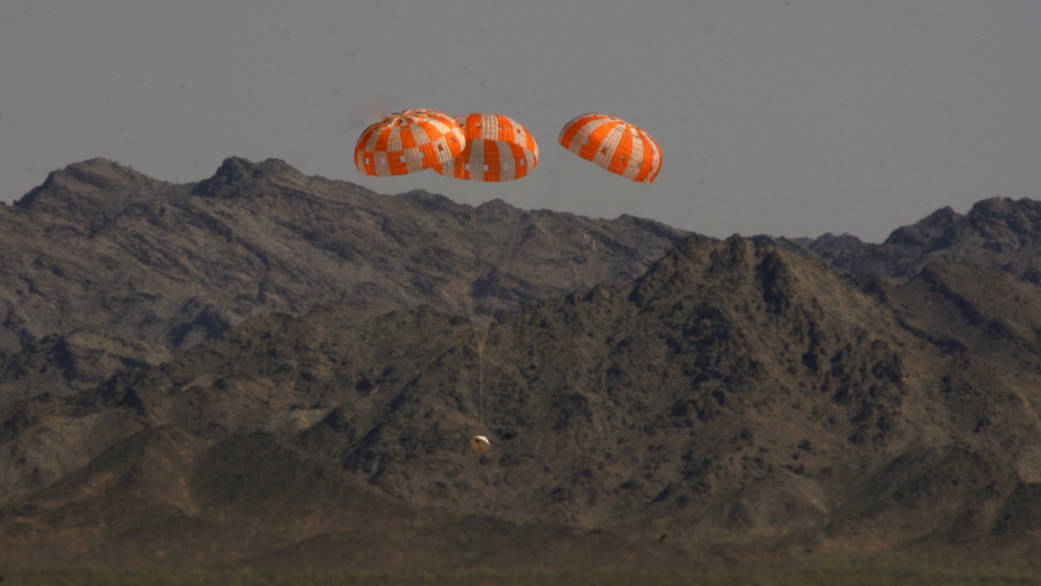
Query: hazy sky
[784,117]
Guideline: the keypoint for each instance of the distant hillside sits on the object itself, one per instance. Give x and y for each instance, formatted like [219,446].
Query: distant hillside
[997,232]
[968,284]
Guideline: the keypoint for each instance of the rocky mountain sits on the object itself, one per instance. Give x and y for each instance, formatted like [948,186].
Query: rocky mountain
[998,232]
[738,399]
[966,283]
[101,266]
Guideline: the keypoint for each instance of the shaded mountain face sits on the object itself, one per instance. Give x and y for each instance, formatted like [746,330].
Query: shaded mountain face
[968,284]
[106,251]
[997,232]
[737,397]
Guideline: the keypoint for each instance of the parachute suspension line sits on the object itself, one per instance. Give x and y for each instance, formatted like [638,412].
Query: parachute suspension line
[478,346]
[633,203]
[480,381]
[645,191]
[482,339]
[481,333]
[480,336]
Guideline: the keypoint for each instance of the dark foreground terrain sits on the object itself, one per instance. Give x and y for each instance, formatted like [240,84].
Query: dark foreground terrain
[275,371]
[819,572]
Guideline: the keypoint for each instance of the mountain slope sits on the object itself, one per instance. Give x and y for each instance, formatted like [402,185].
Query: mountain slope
[997,232]
[966,283]
[737,398]
[104,250]
[275,369]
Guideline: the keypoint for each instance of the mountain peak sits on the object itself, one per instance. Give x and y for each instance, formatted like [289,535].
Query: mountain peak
[240,167]
[996,224]
[237,176]
[844,240]
[1022,217]
[101,172]
[427,199]
[998,206]
[926,231]
[496,210]
[95,164]
[92,180]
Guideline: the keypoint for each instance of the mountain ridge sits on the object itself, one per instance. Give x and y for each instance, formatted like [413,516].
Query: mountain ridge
[100,246]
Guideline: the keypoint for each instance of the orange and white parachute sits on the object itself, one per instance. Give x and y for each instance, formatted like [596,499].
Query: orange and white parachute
[498,148]
[614,144]
[408,141]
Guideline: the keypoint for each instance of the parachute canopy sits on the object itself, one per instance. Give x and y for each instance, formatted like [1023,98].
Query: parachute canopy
[613,144]
[498,148]
[408,141]
[480,443]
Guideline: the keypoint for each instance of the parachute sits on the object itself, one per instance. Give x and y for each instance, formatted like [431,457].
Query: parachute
[408,141]
[498,148]
[614,144]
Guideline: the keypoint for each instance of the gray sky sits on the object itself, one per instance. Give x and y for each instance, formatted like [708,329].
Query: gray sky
[784,117]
